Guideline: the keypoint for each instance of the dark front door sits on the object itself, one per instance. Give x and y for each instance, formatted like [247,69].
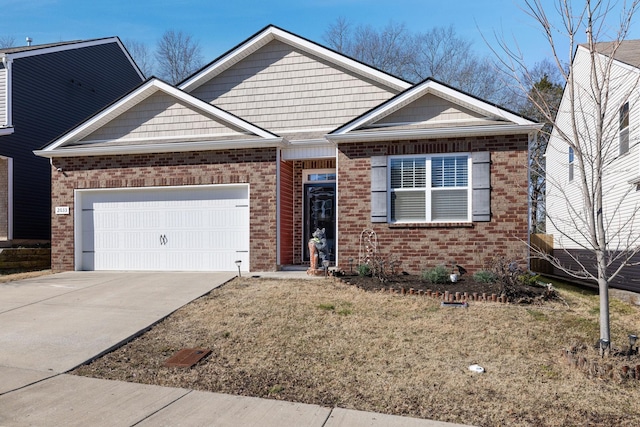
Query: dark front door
[320,212]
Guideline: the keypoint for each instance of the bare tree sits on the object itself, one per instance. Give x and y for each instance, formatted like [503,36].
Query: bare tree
[7,41]
[439,53]
[388,49]
[443,55]
[337,36]
[141,55]
[587,127]
[178,55]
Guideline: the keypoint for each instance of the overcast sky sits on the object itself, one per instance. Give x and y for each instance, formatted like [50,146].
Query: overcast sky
[219,25]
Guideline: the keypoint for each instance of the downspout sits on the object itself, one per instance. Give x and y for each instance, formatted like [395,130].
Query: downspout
[9,198]
[532,135]
[337,210]
[278,217]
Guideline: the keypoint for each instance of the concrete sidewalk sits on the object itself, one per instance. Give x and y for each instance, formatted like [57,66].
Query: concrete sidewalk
[51,324]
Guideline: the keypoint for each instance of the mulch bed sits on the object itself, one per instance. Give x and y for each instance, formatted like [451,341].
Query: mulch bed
[407,283]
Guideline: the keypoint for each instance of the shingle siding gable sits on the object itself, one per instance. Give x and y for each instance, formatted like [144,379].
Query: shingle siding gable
[281,88]
[430,108]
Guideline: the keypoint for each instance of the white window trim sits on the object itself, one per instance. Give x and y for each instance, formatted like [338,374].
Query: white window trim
[572,161]
[622,130]
[428,189]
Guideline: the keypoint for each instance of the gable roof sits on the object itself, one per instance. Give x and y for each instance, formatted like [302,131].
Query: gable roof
[627,51]
[72,143]
[27,51]
[482,118]
[271,33]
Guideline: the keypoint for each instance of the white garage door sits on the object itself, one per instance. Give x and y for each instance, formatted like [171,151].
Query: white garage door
[201,228]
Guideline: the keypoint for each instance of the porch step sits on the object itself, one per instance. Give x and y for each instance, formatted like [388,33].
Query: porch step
[294,268]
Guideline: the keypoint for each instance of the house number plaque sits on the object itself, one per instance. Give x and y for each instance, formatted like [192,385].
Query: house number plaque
[62,210]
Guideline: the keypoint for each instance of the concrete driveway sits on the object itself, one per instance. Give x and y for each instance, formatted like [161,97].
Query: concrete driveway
[51,324]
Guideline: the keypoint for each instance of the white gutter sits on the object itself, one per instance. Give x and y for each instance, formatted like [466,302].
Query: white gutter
[398,135]
[178,147]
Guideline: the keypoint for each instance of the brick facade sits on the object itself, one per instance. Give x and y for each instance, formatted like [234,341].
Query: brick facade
[421,246]
[256,167]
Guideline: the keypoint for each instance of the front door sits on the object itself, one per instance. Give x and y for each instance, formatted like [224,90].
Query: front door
[320,212]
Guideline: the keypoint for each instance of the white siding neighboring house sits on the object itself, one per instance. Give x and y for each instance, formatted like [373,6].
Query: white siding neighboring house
[621,180]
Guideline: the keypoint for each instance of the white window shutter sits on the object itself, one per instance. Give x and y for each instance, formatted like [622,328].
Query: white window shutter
[379,189]
[481,203]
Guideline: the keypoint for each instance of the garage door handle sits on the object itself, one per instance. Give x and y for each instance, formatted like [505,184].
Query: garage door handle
[163,239]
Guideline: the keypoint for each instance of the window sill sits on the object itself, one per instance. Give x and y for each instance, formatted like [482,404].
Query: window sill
[430,225]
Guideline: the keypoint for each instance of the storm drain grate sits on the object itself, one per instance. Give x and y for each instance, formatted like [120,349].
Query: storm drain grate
[187,357]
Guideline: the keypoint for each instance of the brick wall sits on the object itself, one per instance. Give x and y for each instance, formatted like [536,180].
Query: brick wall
[420,246]
[256,167]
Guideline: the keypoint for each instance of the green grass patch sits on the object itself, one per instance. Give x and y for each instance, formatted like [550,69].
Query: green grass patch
[327,306]
[341,308]
[537,315]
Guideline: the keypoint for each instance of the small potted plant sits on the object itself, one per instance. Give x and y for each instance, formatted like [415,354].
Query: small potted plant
[454,275]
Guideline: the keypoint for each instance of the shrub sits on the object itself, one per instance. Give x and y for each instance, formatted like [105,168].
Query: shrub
[364,270]
[484,276]
[437,274]
[528,279]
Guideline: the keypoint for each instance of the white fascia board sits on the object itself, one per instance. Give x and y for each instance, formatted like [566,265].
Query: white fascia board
[144,91]
[84,129]
[310,142]
[228,60]
[162,148]
[273,33]
[585,51]
[335,57]
[398,135]
[478,105]
[130,58]
[432,87]
[62,48]
[215,111]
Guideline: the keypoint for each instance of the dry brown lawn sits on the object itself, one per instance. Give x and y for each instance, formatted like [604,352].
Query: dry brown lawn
[11,277]
[327,343]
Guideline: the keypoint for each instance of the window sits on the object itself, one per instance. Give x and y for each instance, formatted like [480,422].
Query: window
[624,128]
[430,188]
[320,175]
[571,158]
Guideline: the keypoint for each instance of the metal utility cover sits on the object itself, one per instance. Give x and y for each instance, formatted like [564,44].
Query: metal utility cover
[187,357]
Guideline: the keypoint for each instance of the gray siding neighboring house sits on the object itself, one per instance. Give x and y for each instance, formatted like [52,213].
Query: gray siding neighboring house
[44,91]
